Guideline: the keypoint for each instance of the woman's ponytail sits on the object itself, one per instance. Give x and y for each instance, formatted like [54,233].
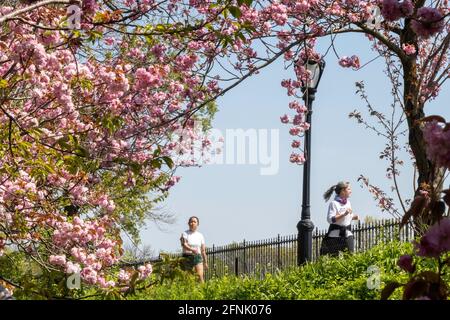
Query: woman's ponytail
[336,188]
[329,192]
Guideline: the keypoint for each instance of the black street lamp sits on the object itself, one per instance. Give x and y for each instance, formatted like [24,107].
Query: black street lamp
[305,226]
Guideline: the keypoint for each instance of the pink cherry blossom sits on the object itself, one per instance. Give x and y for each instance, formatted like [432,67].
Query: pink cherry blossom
[437,143]
[407,8]
[409,49]
[428,22]
[297,158]
[391,10]
[284,119]
[436,240]
[406,263]
[57,260]
[350,62]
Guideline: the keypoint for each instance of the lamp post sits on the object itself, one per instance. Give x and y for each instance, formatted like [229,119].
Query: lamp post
[305,226]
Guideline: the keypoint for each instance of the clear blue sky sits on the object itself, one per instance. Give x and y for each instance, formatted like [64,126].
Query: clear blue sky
[236,202]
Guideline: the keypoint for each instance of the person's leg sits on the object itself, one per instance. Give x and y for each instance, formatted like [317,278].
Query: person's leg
[351,244]
[199,270]
[338,245]
[186,263]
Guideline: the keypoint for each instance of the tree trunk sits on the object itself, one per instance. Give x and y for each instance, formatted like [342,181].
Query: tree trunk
[427,172]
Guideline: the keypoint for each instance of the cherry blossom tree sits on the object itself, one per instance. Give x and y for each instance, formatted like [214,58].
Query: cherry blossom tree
[87,119]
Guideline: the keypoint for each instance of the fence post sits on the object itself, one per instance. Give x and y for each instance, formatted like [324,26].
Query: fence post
[236,268]
[214,272]
[245,258]
[315,244]
[279,252]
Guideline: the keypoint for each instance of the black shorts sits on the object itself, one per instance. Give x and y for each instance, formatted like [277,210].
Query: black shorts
[333,246]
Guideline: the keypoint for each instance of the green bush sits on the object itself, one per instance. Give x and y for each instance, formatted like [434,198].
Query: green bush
[341,278]
[344,277]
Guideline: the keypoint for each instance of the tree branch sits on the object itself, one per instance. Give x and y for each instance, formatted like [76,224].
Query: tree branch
[13,14]
[385,41]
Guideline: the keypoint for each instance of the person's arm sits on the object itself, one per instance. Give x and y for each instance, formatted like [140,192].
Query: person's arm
[344,214]
[205,260]
[184,244]
[334,215]
[331,215]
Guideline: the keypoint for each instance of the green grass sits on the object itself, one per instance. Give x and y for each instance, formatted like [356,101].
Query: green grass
[344,277]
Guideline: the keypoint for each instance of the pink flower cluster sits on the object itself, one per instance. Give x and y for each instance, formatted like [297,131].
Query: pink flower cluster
[299,126]
[436,240]
[350,62]
[145,271]
[406,263]
[124,276]
[278,13]
[437,139]
[90,250]
[147,78]
[428,22]
[172,181]
[297,158]
[295,144]
[409,49]
[291,86]
[393,9]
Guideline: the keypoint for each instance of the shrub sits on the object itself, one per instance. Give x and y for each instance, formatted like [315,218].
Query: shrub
[344,277]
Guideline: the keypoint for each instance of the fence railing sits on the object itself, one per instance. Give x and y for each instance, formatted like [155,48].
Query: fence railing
[269,255]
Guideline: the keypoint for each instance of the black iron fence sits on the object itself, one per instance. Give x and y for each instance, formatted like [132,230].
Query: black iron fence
[267,256]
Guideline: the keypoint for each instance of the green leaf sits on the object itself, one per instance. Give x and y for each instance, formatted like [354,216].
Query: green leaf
[157,152]
[235,12]
[225,13]
[241,36]
[82,152]
[168,161]
[3,83]
[135,167]
[156,163]
[63,143]
[86,84]
[160,28]
[76,34]
[47,167]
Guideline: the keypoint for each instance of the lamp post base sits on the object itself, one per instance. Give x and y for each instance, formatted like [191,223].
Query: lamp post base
[304,241]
